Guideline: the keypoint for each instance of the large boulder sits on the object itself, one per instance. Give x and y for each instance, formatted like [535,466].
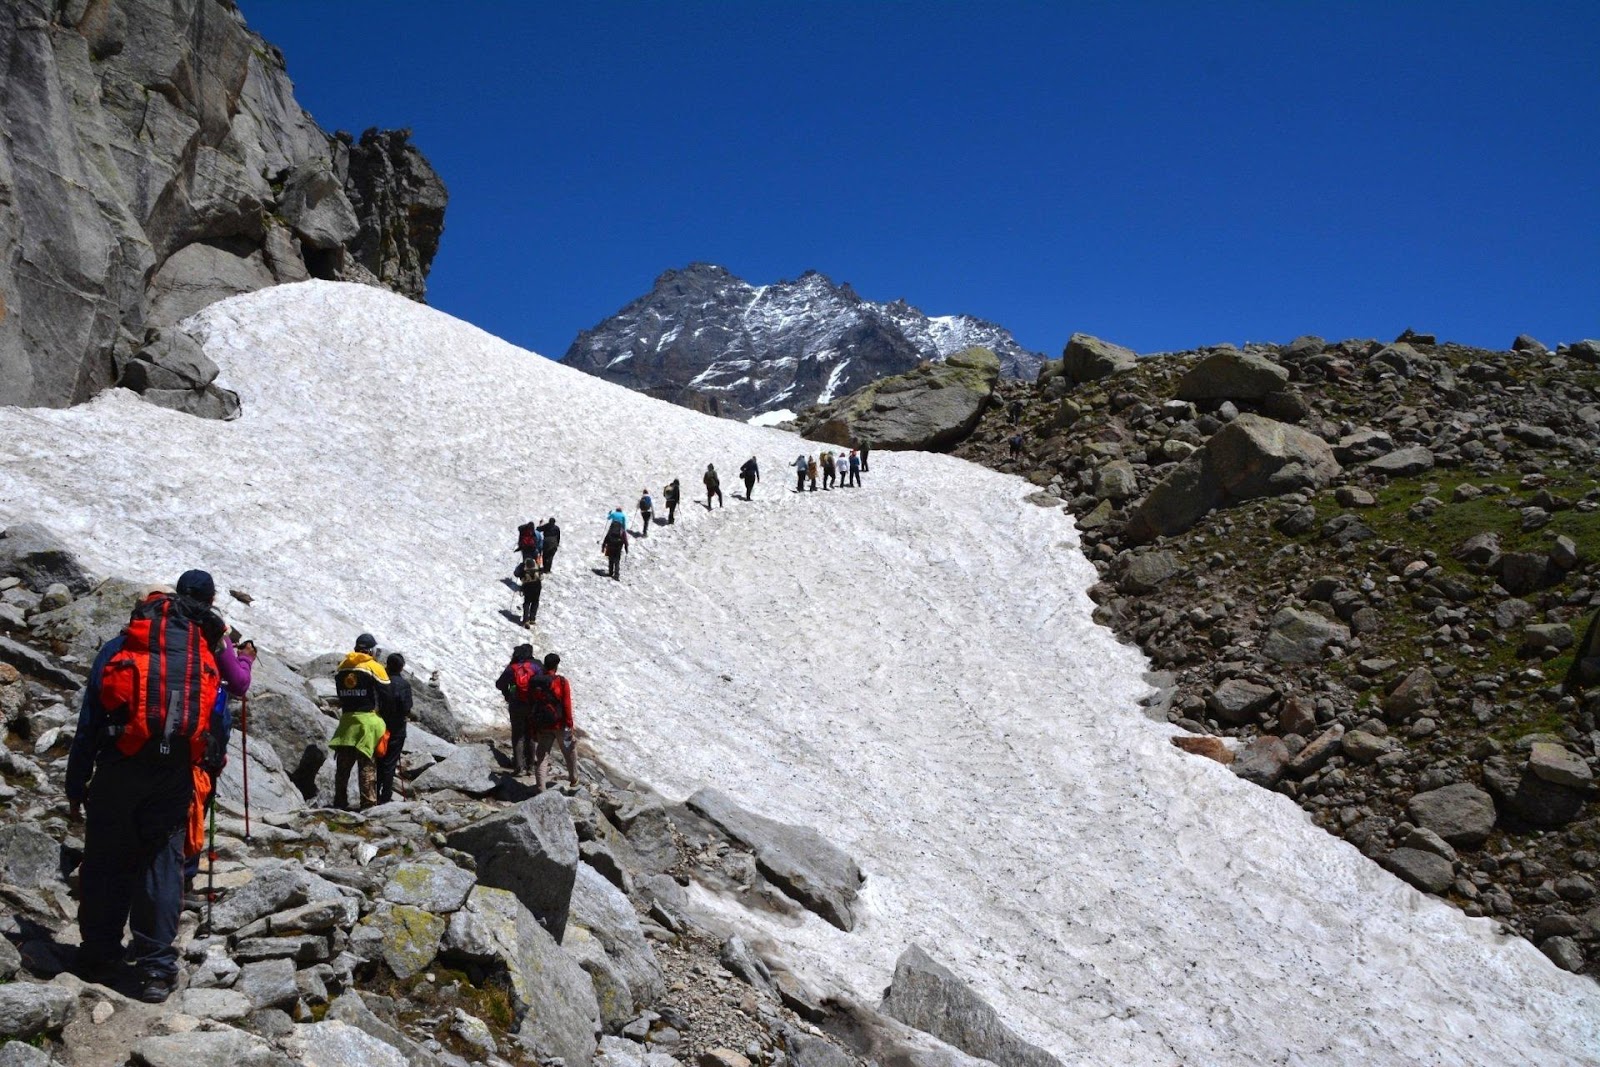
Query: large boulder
[604,936]
[172,370]
[797,859]
[29,857]
[1530,798]
[552,998]
[931,408]
[336,1044]
[32,553]
[1462,814]
[1252,456]
[137,164]
[928,996]
[1088,359]
[471,769]
[1296,636]
[531,850]
[1230,374]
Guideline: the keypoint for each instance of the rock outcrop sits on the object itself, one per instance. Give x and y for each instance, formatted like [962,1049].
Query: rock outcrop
[931,408]
[708,340]
[154,160]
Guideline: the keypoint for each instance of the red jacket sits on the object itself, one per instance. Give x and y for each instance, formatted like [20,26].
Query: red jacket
[563,692]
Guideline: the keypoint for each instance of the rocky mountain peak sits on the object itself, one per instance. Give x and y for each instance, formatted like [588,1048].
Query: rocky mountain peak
[707,339]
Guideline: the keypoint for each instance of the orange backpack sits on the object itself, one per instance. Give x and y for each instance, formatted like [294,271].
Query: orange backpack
[161,686]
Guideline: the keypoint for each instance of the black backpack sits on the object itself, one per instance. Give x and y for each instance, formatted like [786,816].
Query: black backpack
[613,534]
[546,708]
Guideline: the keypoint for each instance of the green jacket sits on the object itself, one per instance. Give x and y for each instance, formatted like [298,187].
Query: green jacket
[360,730]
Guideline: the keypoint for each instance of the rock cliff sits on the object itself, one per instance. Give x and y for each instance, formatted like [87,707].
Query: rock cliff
[153,160]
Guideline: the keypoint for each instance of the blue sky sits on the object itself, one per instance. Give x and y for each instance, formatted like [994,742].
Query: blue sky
[1163,175]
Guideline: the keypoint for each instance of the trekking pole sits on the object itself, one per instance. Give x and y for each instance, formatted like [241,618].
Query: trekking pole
[211,860]
[244,756]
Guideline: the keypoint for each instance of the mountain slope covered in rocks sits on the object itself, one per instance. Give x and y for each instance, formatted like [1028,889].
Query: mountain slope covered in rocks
[1365,572]
[708,340]
[153,159]
[958,729]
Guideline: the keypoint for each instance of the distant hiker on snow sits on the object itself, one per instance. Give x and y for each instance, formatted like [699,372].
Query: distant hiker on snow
[552,721]
[530,542]
[395,717]
[614,544]
[751,474]
[811,472]
[841,467]
[516,685]
[552,541]
[713,486]
[866,448]
[647,513]
[360,739]
[829,471]
[530,573]
[855,469]
[800,474]
[671,495]
[142,732]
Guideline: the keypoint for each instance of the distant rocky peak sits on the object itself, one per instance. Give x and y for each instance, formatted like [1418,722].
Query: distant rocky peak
[707,339]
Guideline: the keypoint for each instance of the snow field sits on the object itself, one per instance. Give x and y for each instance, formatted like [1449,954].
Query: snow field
[910,667]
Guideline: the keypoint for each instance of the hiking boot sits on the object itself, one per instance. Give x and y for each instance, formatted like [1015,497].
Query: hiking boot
[156,988]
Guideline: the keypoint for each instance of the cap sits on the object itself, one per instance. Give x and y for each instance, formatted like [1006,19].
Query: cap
[197,585]
[366,643]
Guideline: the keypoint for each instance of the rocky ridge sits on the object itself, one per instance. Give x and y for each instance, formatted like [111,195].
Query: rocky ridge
[154,160]
[710,341]
[471,921]
[1365,575]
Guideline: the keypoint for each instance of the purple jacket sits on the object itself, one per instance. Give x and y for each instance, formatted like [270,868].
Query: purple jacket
[234,668]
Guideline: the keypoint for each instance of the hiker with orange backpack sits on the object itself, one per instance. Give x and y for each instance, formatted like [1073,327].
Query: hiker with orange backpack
[361,738]
[144,724]
[516,685]
[552,720]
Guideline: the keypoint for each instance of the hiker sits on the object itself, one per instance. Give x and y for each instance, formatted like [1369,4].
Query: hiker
[614,544]
[855,469]
[362,686]
[751,474]
[841,468]
[866,447]
[828,470]
[1015,441]
[395,717]
[800,474]
[530,572]
[530,542]
[713,486]
[130,775]
[516,685]
[671,495]
[1014,409]
[811,472]
[552,721]
[647,513]
[552,541]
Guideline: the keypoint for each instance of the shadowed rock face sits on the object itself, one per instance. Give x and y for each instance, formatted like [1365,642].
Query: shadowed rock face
[708,340]
[932,408]
[153,160]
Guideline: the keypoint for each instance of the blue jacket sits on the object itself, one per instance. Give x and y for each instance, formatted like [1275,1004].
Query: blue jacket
[92,723]
[617,516]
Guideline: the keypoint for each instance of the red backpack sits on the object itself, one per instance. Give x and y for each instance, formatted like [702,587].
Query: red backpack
[523,675]
[162,685]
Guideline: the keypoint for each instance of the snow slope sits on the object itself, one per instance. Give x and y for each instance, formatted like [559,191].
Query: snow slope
[910,667]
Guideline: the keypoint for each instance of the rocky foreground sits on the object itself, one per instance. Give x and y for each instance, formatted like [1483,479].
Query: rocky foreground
[471,922]
[1364,572]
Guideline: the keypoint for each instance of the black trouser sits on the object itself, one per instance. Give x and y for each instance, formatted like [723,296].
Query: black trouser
[811,477]
[672,512]
[530,601]
[749,487]
[550,554]
[647,517]
[827,477]
[132,872]
[799,481]
[717,492]
[389,764]
[863,459]
[521,739]
[614,563]
[855,477]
